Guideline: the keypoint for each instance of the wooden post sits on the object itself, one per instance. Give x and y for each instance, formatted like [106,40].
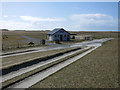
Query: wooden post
[18,44]
[43,41]
[2,47]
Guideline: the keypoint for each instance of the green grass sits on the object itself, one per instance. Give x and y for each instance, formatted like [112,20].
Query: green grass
[98,69]
[25,75]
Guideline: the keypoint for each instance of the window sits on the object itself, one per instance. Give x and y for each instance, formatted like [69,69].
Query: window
[64,35]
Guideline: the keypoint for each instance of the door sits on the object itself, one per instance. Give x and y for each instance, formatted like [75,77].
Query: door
[68,38]
[61,37]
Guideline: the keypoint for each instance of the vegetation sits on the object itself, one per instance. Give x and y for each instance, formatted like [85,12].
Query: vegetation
[11,40]
[98,35]
[98,69]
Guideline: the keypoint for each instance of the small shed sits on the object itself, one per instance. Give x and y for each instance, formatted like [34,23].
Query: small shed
[58,34]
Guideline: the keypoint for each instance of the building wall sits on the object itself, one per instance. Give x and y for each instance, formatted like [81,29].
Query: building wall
[58,34]
[50,38]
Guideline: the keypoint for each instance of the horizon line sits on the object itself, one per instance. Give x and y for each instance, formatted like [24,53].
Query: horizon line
[65,29]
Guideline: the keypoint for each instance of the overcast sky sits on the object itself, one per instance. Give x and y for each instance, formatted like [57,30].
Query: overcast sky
[69,15]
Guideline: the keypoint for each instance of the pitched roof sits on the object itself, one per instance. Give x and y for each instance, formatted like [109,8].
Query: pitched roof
[54,31]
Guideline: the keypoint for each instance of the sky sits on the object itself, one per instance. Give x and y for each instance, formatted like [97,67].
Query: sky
[75,16]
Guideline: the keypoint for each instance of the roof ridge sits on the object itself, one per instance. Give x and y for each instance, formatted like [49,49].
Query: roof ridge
[55,30]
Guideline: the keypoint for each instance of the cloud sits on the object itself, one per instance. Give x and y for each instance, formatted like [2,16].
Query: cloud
[34,19]
[14,25]
[21,25]
[5,16]
[74,22]
[32,23]
[94,21]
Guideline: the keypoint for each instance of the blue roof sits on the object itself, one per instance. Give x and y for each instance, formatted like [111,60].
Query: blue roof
[54,30]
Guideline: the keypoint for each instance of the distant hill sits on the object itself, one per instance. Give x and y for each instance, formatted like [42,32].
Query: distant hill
[4,29]
[19,30]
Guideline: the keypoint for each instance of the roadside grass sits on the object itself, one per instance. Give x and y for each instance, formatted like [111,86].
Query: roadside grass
[98,69]
[35,71]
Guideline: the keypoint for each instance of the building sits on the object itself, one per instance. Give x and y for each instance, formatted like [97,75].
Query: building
[84,37]
[58,34]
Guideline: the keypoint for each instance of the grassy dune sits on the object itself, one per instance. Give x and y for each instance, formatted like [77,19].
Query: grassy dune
[98,69]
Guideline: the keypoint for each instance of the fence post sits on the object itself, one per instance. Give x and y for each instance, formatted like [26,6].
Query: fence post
[18,44]
[2,47]
[43,42]
[40,42]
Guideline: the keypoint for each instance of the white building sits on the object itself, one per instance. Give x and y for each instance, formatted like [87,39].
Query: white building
[58,34]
